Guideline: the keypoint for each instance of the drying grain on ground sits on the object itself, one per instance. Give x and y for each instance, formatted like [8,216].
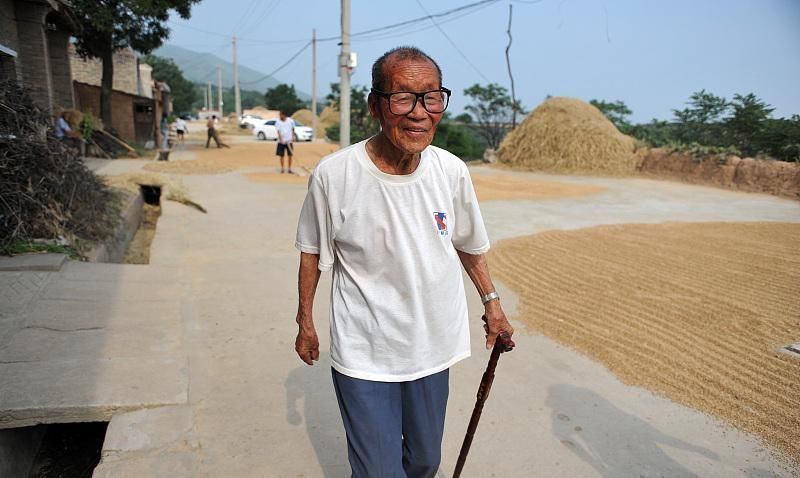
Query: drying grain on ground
[697,312]
[241,155]
[567,135]
[277,178]
[496,187]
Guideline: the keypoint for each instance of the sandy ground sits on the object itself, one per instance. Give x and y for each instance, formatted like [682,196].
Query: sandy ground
[697,312]
[247,153]
[244,153]
[494,187]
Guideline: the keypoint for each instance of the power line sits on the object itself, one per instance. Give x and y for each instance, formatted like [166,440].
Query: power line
[402,32]
[245,16]
[464,10]
[414,20]
[454,44]
[266,12]
[279,68]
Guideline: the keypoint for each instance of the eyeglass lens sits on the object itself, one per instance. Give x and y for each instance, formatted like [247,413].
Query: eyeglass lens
[404,103]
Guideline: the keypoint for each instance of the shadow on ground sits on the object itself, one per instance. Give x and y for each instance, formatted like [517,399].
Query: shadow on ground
[612,441]
[312,389]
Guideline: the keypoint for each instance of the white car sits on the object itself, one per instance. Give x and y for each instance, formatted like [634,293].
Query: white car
[265,130]
[248,121]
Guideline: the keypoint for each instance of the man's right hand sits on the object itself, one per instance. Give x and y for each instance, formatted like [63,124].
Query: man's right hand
[307,344]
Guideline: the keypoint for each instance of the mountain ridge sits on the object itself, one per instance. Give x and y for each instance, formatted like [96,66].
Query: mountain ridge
[201,67]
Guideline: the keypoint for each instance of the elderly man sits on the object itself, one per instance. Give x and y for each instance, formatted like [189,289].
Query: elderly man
[393,217]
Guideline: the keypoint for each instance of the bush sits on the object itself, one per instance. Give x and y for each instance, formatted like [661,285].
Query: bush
[46,192]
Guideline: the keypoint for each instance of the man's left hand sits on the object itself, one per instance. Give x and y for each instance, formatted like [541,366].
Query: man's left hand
[496,322]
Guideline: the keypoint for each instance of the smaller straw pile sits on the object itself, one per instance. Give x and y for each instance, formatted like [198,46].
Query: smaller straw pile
[327,118]
[568,135]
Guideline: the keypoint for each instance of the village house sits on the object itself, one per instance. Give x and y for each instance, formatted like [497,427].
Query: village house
[34,39]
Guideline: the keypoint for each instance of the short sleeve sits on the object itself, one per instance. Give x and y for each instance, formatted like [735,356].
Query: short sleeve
[314,225]
[469,234]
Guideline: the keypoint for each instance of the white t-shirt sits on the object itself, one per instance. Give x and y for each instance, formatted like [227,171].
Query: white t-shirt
[285,130]
[398,309]
[180,124]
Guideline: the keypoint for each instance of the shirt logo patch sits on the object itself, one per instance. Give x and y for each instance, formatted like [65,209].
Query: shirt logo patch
[441,222]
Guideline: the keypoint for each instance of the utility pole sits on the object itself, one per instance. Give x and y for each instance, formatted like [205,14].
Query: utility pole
[205,99]
[314,80]
[236,93]
[219,89]
[210,96]
[344,75]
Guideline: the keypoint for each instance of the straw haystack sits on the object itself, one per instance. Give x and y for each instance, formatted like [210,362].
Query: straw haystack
[327,118]
[568,135]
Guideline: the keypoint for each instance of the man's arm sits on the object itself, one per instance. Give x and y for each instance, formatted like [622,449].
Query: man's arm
[307,343]
[478,271]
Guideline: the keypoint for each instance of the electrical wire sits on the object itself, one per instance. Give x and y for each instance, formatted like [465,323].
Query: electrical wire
[441,30]
[278,68]
[258,19]
[404,32]
[245,16]
[371,34]
[412,21]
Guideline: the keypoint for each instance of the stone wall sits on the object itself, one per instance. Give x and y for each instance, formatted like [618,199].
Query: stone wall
[90,71]
[145,80]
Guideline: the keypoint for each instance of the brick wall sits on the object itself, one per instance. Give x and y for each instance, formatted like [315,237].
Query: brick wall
[90,71]
[8,27]
[87,98]
[33,57]
[58,42]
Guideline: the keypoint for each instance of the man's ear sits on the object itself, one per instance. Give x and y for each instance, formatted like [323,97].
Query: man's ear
[374,104]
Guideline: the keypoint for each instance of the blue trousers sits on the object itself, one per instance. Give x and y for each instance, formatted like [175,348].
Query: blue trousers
[394,429]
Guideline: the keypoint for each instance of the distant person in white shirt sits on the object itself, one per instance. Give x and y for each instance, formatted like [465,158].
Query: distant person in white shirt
[180,129]
[285,129]
[395,219]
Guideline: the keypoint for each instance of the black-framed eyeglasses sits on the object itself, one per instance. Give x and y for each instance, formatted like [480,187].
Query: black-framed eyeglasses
[403,102]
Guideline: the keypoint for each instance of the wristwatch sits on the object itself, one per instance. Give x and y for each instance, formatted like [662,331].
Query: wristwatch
[490,296]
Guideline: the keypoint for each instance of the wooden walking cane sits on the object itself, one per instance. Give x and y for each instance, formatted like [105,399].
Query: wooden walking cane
[502,344]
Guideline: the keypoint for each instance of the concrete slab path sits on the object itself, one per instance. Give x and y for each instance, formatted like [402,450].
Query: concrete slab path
[202,338]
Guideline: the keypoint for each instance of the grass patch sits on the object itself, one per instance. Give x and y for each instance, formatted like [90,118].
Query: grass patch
[41,247]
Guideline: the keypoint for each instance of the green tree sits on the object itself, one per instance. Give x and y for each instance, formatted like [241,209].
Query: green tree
[747,121]
[362,124]
[655,133]
[616,112]
[701,122]
[249,98]
[108,25]
[458,139]
[780,138]
[183,90]
[492,109]
[283,97]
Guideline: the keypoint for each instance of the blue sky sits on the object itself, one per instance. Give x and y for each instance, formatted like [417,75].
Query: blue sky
[650,54]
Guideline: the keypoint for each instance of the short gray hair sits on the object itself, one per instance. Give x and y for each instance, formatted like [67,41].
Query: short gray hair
[399,53]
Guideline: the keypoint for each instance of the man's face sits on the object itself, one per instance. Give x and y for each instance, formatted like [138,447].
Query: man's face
[282,116]
[413,132]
